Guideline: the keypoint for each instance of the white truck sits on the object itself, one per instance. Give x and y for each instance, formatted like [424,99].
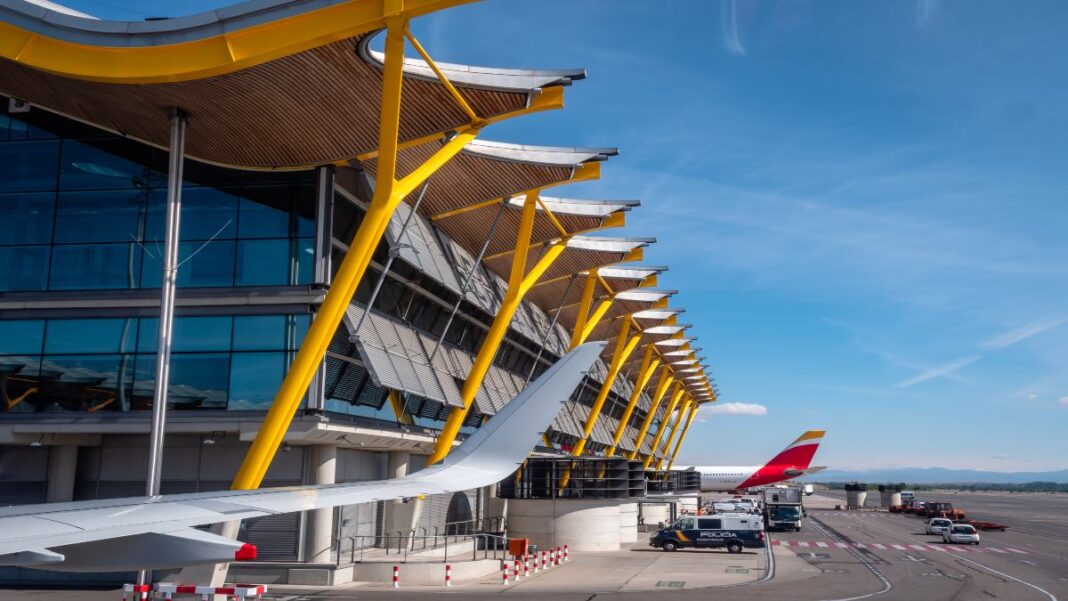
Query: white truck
[783,509]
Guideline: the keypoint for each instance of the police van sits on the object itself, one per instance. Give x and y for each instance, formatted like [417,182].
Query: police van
[733,531]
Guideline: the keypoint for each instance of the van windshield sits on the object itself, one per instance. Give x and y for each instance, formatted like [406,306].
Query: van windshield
[785,512]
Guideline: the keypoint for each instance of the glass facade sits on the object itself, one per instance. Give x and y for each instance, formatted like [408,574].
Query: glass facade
[218,362]
[84,210]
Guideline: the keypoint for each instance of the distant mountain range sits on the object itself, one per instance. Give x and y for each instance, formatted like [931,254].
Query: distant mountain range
[937,475]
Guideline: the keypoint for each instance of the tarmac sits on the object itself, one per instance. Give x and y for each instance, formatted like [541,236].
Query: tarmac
[838,556]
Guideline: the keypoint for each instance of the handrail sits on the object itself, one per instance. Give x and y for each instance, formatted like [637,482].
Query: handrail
[403,542]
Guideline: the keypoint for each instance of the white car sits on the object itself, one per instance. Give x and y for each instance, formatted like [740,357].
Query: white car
[961,533]
[939,525]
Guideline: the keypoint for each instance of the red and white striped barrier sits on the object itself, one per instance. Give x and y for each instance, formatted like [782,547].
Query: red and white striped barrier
[240,592]
[536,565]
[448,574]
[565,552]
[556,558]
[526,566]
[515,569]
[545,563]
[136,591]
[504,573]
[396,576]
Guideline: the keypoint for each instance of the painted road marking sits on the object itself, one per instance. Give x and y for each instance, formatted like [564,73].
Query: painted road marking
[943,548]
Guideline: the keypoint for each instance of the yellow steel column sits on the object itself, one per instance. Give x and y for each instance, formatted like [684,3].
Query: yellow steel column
[668,415]
[625,345]
[685,430]
[397,404]
[518,285]
[645,373]
[679,418]
[389,192]
[666,378]
[584,308]
[595,318]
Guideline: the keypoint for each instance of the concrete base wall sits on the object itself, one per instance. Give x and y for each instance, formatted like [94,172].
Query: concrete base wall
[855,499]
[653,513]
[378,572]
[628,523]
[582,525]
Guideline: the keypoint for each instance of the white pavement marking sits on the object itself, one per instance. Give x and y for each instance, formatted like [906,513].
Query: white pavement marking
[842,545]
[1016,550]
[822,545]
[802,544]
[898,547]
[918,547]
[1013,578]
[877,546]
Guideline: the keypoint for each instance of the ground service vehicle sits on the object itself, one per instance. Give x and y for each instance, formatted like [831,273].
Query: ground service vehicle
[783,509]
[907,496]
[943,510]
[965,534]
[809,490]
[731,531]
[939,525]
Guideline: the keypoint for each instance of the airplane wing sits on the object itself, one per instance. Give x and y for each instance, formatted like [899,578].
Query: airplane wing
[157,532]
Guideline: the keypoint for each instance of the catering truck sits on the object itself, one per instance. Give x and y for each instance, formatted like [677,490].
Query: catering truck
[783,509]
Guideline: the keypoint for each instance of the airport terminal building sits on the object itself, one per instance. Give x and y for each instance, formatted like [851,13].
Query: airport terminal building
[479,282]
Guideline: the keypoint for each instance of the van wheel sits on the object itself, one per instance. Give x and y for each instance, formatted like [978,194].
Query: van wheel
[734,547]
[670,546]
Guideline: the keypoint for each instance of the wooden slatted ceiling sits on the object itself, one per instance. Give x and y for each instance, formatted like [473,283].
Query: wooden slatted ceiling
[471,178]
[313,107]
[470,228]
[557,292]
[572,260]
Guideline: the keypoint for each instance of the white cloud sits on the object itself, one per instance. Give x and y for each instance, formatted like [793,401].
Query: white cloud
[732,409]
[939,371]
[728,15]
[1063,401]
[1021,333]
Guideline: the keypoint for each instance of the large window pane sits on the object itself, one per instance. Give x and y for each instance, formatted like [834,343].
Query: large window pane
[196,380]
[254,379]
[75,336]
[201,265]
[23,267]
[206,213]
[22,337]
[305,257]
[85,382]
[260,220]
[26,218]
[104,216]
[260,333]
[86,167]
[26,166]
[262,263]
[192,334]
[95,267]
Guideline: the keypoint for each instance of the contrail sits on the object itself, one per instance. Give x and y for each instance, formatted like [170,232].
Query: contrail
[729,24]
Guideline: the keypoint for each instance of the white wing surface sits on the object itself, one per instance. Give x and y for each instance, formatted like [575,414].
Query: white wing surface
[155,532]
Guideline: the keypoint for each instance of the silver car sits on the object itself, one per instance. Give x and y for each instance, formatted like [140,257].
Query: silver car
[961,533]
[939,525]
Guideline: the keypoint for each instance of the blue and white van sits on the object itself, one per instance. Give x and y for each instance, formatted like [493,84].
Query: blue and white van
[734,531]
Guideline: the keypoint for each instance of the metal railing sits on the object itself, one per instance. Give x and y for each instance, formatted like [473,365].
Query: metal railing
[401,543]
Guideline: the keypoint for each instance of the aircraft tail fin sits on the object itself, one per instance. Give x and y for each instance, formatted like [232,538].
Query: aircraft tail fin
[799,453]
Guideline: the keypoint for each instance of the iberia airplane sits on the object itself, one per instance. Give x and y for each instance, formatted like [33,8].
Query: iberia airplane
[792,462]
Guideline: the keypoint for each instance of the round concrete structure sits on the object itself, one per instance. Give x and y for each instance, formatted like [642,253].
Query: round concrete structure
[855,499]
[628,523]
[889,498]
[582,525]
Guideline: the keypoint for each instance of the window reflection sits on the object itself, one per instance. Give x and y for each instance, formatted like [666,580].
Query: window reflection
[85,167]
[95,266]
[69,336]
[26,217]
[24,267]
[27,166]
[202,265]
[254,379]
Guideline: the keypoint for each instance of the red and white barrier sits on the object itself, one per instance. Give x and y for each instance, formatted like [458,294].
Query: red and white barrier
[526,566]
[396,576]
[536,566]
[565,552]
[239,592]
[515,569]
[504,573]
[448,574]
[545,560]
[136,591]
[556,559]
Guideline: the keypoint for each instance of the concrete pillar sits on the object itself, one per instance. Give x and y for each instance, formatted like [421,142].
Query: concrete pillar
[400,515]
[320,531]
[856,495]
[62,467]
[582,524]
[495,510]
[628,523]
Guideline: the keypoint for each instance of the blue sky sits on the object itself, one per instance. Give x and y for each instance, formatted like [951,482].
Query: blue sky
[863,205]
